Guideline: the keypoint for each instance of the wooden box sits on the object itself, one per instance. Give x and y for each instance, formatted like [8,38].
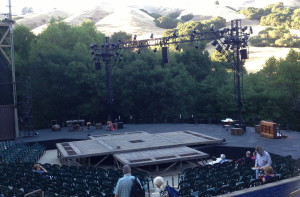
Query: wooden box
[237,131]
[268,129]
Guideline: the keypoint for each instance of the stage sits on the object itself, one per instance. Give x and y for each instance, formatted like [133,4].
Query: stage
[137,148]
[250,139]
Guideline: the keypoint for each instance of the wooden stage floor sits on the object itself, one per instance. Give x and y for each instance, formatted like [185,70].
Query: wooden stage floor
[137,148]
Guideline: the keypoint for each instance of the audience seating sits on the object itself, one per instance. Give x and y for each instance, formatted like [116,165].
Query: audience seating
[217,179]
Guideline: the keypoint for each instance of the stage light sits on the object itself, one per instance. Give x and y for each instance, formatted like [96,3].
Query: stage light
[177,47]
[196,46]
[93,46]
[212,28]
[227,47]
[134,37]
[251,30]
[194,31]
[138,51]
[151,36]
[214,43]
[155,50]
[174,34]
[219,48]
[244,28]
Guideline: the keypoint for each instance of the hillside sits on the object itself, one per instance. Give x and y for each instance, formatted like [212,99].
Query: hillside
[111,17]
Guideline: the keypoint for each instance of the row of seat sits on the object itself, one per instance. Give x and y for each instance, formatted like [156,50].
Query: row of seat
[21,152]
[61,180]
[231,176]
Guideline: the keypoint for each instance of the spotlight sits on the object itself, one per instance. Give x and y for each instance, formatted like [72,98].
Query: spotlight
[174,34]
[219,48]
[244,28]
[251,30]
[227,47]
[134,37]
[177,47]
[93,46]
[196,46]
[194,31]
[151,36]
[231,47]
[160,43]
[138,51]
[212,28]
[155,50]
[214,43]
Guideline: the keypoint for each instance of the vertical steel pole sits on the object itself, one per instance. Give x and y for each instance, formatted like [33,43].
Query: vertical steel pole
[13,71]
[109,84]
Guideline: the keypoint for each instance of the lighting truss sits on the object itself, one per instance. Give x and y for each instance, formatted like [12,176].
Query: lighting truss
[231,39]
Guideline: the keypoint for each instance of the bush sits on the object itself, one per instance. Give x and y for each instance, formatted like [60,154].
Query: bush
[166,22]
[173,15]
[187,17]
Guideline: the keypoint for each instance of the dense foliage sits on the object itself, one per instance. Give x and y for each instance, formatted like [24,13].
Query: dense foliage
[274,15]
[65,85]
[275,37]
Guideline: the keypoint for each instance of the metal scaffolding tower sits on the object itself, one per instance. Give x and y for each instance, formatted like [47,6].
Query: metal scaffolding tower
[7,51]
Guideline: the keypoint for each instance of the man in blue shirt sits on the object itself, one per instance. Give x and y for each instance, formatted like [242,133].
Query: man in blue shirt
[125,183]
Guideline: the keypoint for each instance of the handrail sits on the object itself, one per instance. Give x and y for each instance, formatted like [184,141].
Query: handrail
[34,192]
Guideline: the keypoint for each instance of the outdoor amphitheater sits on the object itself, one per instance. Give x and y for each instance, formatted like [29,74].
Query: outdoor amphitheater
[88,161]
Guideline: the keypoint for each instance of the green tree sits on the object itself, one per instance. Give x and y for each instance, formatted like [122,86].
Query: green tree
[166,22]
[63,74]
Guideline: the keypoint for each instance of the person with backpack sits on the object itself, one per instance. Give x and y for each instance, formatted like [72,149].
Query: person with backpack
[126,184]
[164,189]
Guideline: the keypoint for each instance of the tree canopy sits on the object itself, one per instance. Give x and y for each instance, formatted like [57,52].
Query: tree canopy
[66,86]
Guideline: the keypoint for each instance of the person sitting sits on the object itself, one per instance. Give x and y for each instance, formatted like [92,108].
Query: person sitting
[39,169]
[247,159]
[164,189]
[160,184]
[223,158]
[253,156]
[110,126]
[268,173]
[214,160]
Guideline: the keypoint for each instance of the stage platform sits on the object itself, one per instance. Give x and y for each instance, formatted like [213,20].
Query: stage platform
[137,148]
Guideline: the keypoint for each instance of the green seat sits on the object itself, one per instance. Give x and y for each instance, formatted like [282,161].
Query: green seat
[17,192]
[95,193]
[80,192]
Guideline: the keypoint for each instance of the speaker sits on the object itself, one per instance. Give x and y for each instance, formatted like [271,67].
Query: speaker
[165,55]
[244,54]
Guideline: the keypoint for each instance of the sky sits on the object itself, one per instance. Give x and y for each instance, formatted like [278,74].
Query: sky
[73,5]
[46,5]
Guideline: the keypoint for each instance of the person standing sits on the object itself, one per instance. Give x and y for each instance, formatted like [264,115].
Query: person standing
[262,160]
[125,183]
